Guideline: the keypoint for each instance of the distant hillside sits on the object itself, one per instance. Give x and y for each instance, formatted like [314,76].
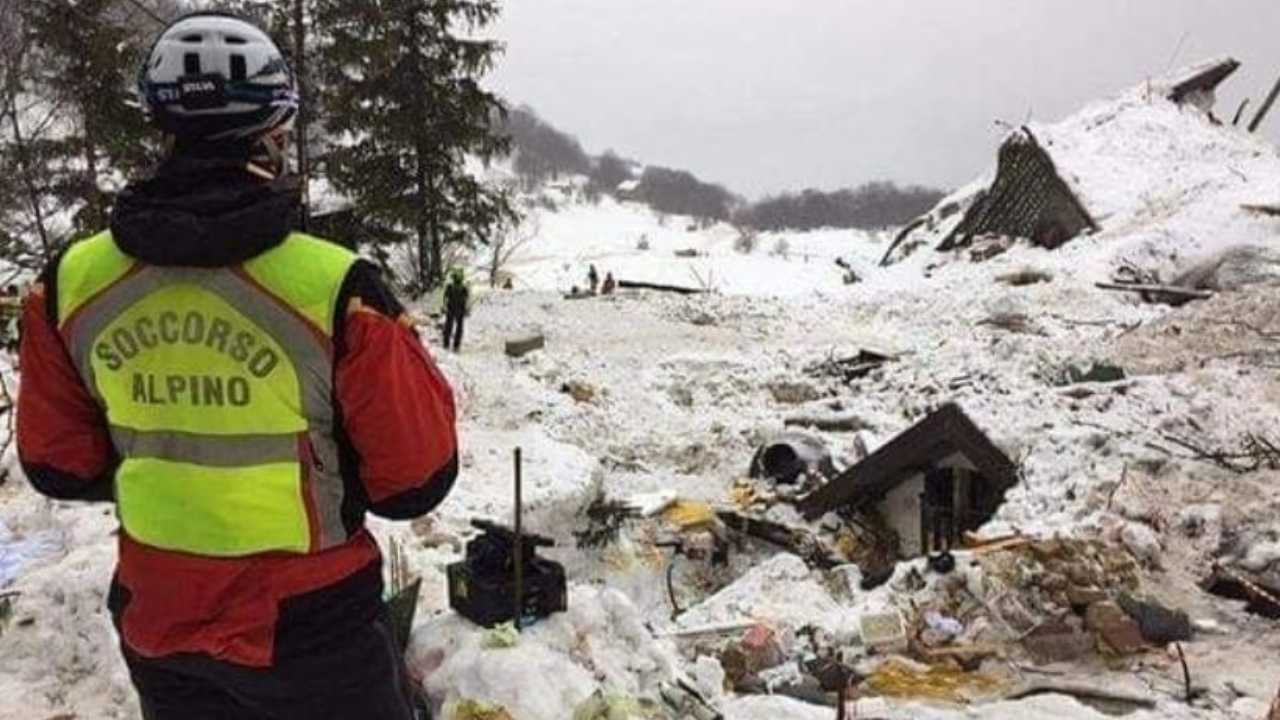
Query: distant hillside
[543,153]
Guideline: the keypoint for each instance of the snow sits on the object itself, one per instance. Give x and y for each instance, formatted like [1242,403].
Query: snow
[681,400]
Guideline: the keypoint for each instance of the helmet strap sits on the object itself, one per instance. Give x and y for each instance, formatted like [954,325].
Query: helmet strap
[272,163]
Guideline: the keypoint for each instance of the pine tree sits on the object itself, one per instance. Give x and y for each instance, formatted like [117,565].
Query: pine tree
[88,134]
[407,112]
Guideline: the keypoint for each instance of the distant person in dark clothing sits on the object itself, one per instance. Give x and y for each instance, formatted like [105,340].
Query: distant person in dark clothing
[457,298]
[593,279]
[609,285]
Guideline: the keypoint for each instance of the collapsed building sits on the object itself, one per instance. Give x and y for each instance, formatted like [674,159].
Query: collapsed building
[1147,169]
[941,478]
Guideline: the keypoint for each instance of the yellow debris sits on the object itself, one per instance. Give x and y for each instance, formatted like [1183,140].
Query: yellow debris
[944,683]
[476,710]
[689,515]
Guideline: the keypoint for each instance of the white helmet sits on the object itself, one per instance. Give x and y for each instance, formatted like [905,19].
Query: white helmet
[212,76]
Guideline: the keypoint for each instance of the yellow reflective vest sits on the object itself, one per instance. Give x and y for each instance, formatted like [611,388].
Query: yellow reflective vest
[217,384]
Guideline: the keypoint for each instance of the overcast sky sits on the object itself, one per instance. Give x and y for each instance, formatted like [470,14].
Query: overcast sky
[770,95]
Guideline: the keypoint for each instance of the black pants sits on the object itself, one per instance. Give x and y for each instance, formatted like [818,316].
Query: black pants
[453,330]
[360,679]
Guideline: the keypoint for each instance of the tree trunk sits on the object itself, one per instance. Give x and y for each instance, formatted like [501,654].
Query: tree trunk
[24,167]
[300,63]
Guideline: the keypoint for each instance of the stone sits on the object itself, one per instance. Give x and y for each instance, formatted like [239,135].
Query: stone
[1058,644]
[1159,625]
[1142,541]
[1119,631]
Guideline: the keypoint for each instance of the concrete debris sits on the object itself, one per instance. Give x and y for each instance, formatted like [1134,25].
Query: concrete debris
[1159,625]
[1119,631]
[1058,642]
[884,632]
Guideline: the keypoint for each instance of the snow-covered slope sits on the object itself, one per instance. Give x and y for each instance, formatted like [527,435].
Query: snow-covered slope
[682,391]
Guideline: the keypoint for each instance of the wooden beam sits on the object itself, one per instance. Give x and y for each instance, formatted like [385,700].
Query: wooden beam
[629,285]
[1165,289]
[1266,108]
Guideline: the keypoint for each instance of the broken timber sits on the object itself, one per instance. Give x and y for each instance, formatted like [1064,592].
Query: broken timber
[799,542]
[1172,290]
[1266,108]
[658,287]
[1271,210]
[829,423]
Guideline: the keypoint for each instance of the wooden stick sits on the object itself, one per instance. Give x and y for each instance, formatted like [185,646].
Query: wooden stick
[1166,289]
[1266,108]
[1186,673]
[1240,113]
[519,528]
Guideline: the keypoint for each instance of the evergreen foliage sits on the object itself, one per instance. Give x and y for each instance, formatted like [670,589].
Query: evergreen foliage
[873,205]
[407,110]
[541,151]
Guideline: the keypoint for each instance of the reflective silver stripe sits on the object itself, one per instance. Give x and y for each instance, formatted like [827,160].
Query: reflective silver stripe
[310,354]
[222,451]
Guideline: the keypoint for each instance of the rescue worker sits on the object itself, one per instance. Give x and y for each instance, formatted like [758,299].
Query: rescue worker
[457,297]
[593,279]
[609,284]
[243,394]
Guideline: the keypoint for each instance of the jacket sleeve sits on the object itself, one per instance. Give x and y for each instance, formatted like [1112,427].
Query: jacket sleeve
[63,441]
[397,408]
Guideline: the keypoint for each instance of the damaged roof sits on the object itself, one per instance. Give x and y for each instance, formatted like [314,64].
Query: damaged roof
[944,433]
[1204,77]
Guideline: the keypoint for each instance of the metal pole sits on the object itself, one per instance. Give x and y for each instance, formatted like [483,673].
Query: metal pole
[519,609]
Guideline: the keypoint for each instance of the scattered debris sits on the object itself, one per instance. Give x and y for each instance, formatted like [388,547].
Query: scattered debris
[787,392]
[1119,631]
[900,678]
[581,392]
[1058,642]
[988,247]
[1159,625]
[1255,453]
[884,632]
[1236,585]
[687,253]
[475,710]
[846,422]
[789,456]
[1026,276]
[1018,323]
[848,369]
[520,347]
[1098,372]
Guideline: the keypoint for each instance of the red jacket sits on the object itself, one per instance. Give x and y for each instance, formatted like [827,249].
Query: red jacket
[397,432]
